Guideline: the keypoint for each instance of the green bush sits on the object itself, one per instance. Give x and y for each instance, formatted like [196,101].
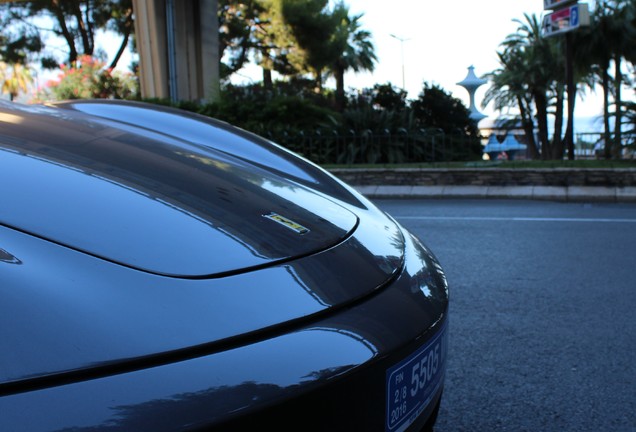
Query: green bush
[377,127]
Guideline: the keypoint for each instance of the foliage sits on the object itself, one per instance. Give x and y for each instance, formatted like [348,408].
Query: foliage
[243,28]
[611,38]
[314,31]
[531,76]
[380,96]
[294,38]
[262,111]
[358,51]
[14,79]
[16,48]
[629,124]
[89,79]
[23,38]
[365,132]
[438,110]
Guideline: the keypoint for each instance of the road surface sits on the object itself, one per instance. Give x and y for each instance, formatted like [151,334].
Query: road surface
[543,312]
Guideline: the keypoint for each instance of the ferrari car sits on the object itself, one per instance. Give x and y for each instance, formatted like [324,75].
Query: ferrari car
[164,271]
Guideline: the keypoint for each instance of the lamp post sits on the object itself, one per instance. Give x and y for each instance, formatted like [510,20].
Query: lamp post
[402,40]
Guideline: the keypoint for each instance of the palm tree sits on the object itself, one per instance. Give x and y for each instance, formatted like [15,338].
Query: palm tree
[624,19]
[532,75]
[325,41]
[16,81]
[358,54]
[312,30]
[610,39]
[509,88]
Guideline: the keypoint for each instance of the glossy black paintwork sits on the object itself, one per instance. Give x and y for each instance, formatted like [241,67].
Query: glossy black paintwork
[151,202]
[70,302]
[220,136]
[213,389]
[255,319]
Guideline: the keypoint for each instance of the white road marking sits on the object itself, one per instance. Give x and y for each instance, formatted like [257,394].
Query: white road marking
[514,219]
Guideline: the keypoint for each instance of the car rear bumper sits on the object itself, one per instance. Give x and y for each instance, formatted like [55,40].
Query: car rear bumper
[330,373]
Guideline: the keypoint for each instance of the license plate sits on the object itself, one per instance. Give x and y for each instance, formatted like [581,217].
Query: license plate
[412,383]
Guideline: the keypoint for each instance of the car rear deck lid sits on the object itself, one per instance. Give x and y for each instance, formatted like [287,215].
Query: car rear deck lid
[152,202]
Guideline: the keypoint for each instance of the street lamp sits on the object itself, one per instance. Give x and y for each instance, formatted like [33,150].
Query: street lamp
[402,40]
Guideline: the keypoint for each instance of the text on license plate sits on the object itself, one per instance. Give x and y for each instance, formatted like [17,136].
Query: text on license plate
[413,382]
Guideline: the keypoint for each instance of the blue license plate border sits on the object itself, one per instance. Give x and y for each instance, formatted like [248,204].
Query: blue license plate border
[408,391]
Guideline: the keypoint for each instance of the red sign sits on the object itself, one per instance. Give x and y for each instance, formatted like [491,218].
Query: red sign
[556,4]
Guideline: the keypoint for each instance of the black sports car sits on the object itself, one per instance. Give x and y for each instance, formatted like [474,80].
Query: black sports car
[164,271]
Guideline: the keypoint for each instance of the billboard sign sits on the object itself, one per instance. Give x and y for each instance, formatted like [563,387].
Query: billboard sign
[566,20]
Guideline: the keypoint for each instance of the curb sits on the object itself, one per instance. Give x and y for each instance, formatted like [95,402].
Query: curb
[555,193]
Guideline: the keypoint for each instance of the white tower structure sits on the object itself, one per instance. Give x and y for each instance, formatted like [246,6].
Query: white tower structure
[471,83]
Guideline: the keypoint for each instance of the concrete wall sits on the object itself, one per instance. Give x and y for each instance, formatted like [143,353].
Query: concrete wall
[568,184]
[489,177]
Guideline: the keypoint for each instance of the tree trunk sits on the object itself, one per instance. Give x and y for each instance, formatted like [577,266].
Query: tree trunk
[340,92]
[267,79]
[319,81]
[72,57]
[528,128]
[606,123]
[618,117]
[557,140]
[542,121]
[87,43]
[124,42]
[571,90]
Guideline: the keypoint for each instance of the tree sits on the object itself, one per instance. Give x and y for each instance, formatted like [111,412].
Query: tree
[604,45]
[257,30]
[437,109]
[624,18]
[532,74]
[314,29]
[239,23]
[119,20]
[358,54]
[76,22]
[381,96]
[16,80]
[509,88]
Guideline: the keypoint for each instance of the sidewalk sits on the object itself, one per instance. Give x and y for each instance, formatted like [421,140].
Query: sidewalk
[555,193]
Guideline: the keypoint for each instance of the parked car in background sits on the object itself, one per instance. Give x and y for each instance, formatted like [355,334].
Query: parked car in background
[164,271]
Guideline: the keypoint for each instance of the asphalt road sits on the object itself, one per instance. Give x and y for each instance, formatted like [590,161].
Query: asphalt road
[543,312]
